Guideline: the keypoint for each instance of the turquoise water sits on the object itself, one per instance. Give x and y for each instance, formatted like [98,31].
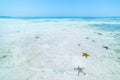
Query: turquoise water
[28,45]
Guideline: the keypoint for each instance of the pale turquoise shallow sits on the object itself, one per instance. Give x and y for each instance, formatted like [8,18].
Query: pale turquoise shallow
[50,48]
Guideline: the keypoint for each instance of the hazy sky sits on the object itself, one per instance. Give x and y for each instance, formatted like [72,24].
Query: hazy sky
[60,8]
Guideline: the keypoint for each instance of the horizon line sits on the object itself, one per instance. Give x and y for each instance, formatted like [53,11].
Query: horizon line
[39,17]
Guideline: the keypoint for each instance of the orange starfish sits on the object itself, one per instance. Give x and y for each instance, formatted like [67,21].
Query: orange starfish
[85,55]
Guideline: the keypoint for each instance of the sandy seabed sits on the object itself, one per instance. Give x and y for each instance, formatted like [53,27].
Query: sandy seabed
[50,49]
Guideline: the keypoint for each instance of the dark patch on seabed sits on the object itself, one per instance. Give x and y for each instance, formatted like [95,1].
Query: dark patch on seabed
[2,57]
[118,60]
[117,50]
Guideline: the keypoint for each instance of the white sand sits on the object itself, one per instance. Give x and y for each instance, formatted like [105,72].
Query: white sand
[48,50]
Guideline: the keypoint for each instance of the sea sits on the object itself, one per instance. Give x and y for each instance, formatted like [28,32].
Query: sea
[49,48]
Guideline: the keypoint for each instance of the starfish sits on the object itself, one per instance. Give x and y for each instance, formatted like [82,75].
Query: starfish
[80,70]
[85,55]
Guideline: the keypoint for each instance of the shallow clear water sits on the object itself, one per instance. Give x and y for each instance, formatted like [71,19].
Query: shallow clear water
[42,49]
